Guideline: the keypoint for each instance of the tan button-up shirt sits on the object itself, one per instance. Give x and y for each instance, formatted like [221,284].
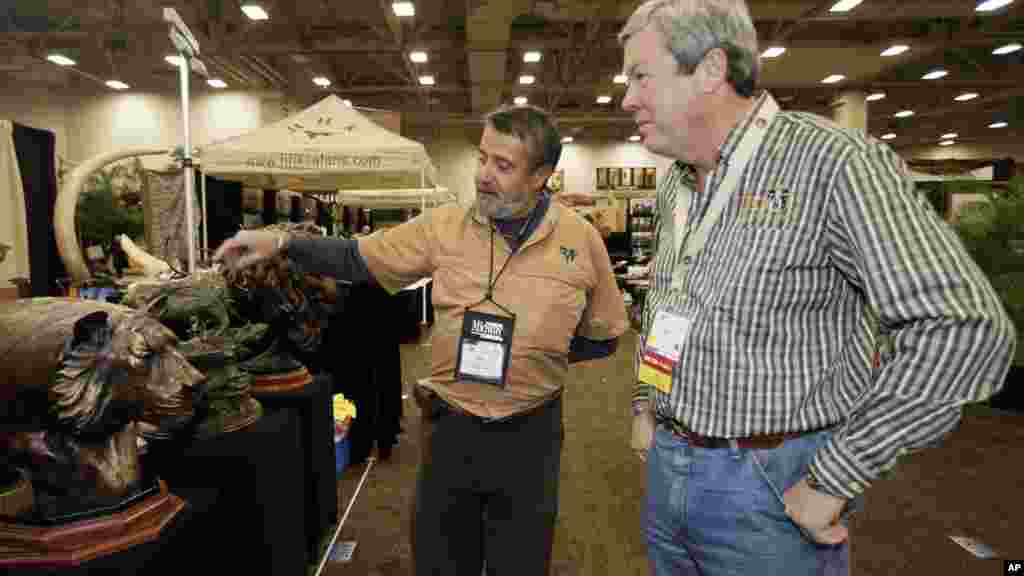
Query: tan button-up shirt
[559,285]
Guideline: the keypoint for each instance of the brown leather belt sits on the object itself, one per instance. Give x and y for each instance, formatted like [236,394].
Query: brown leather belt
[760,442]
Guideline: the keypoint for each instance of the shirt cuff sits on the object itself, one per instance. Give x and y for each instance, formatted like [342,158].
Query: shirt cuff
[837,471]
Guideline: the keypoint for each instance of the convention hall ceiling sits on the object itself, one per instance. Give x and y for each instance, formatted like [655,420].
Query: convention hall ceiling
[475,54]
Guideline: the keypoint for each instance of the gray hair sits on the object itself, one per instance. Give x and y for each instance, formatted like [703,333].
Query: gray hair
[535,127]
[692,28]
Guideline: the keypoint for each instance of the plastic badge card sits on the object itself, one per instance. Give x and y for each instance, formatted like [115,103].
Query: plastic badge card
[343,551]
[979,549]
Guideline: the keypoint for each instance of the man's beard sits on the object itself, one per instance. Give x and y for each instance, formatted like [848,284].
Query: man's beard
[493,207]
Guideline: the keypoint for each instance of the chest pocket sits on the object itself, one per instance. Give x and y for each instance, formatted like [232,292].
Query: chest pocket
[553,304]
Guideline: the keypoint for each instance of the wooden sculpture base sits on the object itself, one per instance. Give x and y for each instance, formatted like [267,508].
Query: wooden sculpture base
[282,382]
[68,545]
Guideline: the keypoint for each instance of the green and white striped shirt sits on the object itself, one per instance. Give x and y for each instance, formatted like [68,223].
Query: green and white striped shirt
[825,257]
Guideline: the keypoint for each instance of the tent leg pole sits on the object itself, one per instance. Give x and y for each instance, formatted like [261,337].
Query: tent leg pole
[205,222]
[184,69]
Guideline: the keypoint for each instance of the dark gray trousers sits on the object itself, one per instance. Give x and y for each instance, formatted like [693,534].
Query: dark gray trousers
[487,491]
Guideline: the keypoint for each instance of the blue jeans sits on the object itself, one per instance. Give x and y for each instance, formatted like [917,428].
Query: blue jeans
[719,512]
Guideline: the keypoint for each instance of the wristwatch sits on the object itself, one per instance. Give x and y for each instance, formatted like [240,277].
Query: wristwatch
[639,408]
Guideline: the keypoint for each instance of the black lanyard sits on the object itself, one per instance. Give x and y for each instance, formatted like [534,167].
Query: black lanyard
[492,282]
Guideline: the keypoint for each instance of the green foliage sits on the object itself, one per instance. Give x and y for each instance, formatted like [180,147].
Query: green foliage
[993,233]
[102,215]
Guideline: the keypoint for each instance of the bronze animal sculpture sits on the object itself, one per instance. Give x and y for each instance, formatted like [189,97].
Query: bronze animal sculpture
[76,376]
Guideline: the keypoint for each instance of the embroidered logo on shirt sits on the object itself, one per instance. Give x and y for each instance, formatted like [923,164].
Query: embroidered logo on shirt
[776,207]
[568,253]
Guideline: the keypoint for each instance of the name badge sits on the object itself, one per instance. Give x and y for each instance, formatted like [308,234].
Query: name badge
[663,349]
[484,348]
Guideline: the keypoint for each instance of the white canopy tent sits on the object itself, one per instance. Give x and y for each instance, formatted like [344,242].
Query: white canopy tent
[329,146]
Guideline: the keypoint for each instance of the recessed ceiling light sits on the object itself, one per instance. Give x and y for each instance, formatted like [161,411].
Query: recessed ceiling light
[620,79]
[347,102]
[949,136]
[60,60]
[888,136]
[255,12]
[418,56]
[998,125]
[875,96]
[526,79]
[895,50]
[904,114]
[604,99]
[966,96]
[634,138]
[217,83]
[566,139]
[520,100]
[531,56]
[117,85]
[322,81]
[844,5]
[173,60]
[934,75]
[947,143]
[403,8]
[1008,49]
[773,52]
[833,79]
[427,80]
[990,5]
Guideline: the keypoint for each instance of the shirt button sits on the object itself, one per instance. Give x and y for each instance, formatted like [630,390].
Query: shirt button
[761,122]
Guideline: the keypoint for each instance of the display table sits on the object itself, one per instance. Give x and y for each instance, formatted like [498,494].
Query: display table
[256,525]
[312,403]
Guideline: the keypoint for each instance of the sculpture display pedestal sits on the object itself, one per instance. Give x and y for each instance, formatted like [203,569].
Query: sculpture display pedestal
[74,543]
[292,381]
[312,403]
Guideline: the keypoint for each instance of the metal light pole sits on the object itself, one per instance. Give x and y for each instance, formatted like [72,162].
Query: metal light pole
[188,52]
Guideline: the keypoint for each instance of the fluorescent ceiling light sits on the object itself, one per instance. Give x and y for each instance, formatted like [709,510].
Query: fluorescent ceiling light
[217,83]
[403,8]
[566,139]
[895,50]
[888,136]
[990,5]
[620,79]
[173,60]
[947,143]
[833,79]
[934,75]
[604,99]
[966,96]
[60,60]
[904,114]
[998,125]
[418,56]
[520,100]
[844,5]
[875,96]
[427,80]
[322,81]
[634,138]
[255,12]
[526,79]
[1008,49]
[773,52]
[531,56]
[949,136]
[117,85]
[347,102]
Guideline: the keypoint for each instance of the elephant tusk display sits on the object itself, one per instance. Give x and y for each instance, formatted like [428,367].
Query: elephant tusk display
[67,201]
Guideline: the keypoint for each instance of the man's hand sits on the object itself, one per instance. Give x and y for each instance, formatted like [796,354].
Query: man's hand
[247,247]
[816,512]
[643,433]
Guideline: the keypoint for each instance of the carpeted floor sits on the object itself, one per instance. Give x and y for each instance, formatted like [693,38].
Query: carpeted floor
[971,485]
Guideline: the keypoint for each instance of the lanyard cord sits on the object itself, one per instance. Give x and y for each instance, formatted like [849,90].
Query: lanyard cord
[493,281]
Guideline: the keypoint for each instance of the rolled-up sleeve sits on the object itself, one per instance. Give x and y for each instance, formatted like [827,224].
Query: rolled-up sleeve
[401,255]
[604,318]
[951,339]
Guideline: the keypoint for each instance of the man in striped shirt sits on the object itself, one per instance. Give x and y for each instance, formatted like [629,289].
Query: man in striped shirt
[788,250]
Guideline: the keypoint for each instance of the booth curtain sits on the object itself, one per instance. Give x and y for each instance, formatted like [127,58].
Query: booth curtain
[36,153]
[223,210]
[13,230]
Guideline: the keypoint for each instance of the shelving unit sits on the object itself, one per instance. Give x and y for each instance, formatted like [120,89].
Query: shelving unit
[640,228]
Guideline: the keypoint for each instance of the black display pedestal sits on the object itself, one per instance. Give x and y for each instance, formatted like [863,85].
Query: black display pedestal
[169,549]
[313,405]
[256,524]
[1011,397]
